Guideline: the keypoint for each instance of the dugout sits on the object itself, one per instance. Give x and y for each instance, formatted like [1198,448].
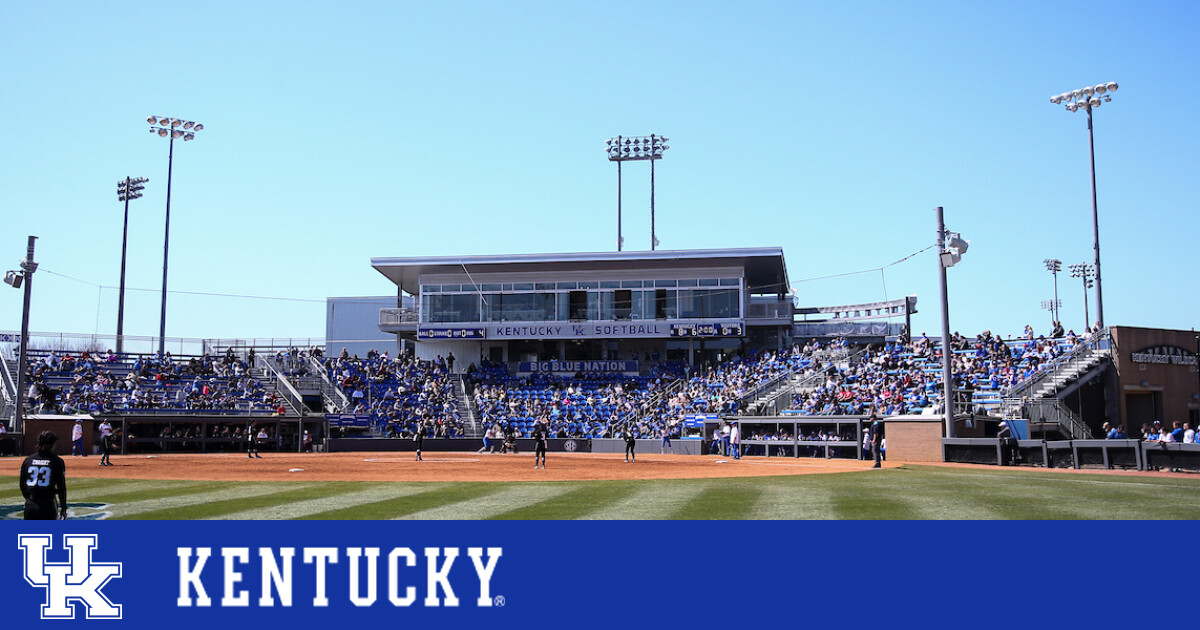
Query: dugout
[825,437]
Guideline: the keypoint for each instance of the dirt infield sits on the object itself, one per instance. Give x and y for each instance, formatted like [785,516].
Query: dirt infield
[441,467]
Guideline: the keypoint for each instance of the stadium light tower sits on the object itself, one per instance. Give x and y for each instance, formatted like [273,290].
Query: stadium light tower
[1054,265]
[170,128]
[1084,271]
[15,279]
[629,149]
[128,188]
[951,247]
[1087,99]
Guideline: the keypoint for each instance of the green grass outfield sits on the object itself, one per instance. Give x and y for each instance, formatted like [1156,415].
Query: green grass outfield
[909,492]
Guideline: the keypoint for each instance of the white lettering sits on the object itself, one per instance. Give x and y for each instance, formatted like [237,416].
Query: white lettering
[271,574]
[439,576]
[410,593]
[356,597]
[234,598]
[189,578]
[321,555]
[484,571]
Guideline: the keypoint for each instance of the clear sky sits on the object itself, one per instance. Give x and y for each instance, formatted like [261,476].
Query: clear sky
[335,132]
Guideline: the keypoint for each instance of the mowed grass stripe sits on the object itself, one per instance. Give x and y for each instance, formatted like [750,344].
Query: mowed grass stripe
[722,499]
[649,501]
[426,497]
[576,503]
[503,498]
[145,492]
[786,501]
[349,500]
[231,500]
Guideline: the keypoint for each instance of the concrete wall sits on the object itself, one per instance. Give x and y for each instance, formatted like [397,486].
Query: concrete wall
[678,447]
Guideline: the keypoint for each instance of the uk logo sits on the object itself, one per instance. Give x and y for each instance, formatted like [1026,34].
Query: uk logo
[77,581]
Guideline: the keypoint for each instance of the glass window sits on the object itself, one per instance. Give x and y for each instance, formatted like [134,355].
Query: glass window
[589,285]
[431,288]
[492,287]
[610,284]
[567,286]
[729,282]
[544,286]
[522,286]
[708,282]
[664,283]
[631,284]
[687,283]
[463,307]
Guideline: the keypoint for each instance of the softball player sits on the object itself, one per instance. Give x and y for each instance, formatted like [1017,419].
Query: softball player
[44,478]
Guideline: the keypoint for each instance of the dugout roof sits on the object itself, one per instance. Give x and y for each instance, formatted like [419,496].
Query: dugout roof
[764,266]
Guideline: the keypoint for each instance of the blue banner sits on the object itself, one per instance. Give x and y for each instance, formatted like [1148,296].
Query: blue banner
[706,330]
[571,367]
[450,333]
[333,574]
[348,420]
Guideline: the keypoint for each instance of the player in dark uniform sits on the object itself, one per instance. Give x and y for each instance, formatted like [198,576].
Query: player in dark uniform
[44,478]
[630,442]
[540,434]
[252,442]
[419,438]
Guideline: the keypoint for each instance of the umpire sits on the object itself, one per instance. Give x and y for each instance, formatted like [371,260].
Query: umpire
[43,479]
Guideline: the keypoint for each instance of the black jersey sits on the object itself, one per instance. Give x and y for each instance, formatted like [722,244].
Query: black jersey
[540,434]
[43,479]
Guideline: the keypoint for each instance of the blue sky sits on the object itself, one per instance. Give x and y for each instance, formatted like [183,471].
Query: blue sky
[339,132]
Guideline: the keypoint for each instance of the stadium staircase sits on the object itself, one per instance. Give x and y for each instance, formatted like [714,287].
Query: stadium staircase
[334,398]
[8,387]
[270,374]
[466,407]
[1039,397]
[779,397]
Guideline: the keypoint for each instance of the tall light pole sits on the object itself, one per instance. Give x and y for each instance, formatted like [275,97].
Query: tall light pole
[170,128]
[15,279]
[128,188]
[628,149]
[1087,99]
[1053,265]
[1084,271]
[951,247]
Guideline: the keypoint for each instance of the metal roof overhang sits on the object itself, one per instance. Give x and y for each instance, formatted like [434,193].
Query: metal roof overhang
[765,268]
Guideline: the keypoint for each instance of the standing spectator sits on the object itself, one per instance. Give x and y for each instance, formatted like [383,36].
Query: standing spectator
[735,440]
[450,362]
[1189,434]
[725,438]
[77,439]
[1177,433]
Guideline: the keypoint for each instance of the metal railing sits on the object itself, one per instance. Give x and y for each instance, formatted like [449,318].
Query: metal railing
[335,398]
[1062,364]
[287,391]
[1051,410]
[398,316]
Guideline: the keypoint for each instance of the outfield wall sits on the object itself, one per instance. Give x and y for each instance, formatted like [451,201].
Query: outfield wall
[406,445]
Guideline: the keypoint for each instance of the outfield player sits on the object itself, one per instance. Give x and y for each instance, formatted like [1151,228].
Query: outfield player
[419,438]
[43,479]
[539,444]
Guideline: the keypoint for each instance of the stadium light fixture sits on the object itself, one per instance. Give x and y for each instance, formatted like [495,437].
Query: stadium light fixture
[1087,99]
[1054,265]
[16,279]
[165,127]
[1084,271]
[127,189]
[630,149]
[951,247]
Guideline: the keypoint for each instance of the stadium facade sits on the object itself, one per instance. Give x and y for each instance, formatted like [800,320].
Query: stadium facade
[623,307]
